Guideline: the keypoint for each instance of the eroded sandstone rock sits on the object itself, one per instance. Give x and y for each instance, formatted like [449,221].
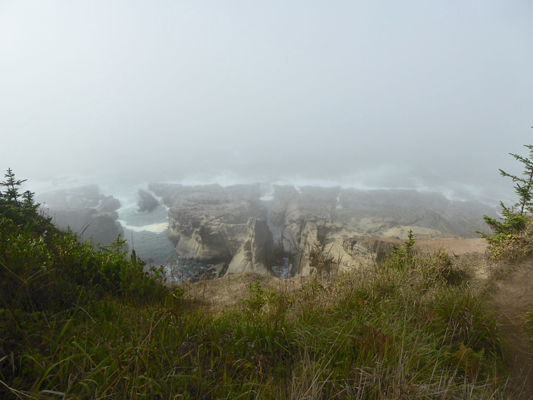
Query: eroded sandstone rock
[283,195]
[320,229]
[221,225]
[371,220]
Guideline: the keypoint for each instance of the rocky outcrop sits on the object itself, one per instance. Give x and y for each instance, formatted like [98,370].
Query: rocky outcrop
[283,195]
[87,212]
[318,230]
[220,225]
[109,204]
[147,202]
[87,223]
[374,249]
[171,193]
[376,211]
[356,227]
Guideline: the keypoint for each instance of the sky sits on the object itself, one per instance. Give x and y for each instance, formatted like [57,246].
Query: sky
[377,93]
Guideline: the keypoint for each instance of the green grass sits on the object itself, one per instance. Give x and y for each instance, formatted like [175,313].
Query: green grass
[82,324]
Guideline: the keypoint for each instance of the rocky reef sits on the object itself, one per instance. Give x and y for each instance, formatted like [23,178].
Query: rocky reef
[87,212]
[214,224]
[354,227]
[307,229]
[147,202]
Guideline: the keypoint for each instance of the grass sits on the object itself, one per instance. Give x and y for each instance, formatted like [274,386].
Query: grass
[81,324]
[380,333]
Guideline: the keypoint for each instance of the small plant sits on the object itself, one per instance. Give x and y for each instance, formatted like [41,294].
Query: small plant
[402,256]
[528,324]
[257,298]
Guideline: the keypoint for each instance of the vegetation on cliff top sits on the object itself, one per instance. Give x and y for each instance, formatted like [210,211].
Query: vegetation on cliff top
[79,323]
[512,236]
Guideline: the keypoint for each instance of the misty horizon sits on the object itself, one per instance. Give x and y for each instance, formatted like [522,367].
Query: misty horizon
[367,94]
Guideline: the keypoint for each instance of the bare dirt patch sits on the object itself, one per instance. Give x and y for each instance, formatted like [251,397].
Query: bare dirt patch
[214,295]
[456,247]
[511,297]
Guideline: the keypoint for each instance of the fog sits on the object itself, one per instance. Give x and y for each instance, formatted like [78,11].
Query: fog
[370,93]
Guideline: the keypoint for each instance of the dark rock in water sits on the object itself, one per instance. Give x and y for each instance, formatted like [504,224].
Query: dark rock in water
[147,202]
[109,204]
[75,218]
[87,212]
[85,196]
[87,223]
[103,228]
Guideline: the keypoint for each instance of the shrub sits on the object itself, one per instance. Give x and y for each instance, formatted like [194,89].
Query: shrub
[43,268]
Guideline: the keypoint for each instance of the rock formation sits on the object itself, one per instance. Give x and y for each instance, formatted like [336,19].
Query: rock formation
[147,202]
[109,204]
[283,195]
[318,230]
[87,212]
[217,224]
[355,227]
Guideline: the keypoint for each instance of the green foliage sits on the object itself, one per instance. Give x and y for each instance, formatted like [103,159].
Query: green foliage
[510,247]
[507,232]
[49,264]
[46,275]
[402,256]
[524,186]
[21,208]
[257,298]
[528,324]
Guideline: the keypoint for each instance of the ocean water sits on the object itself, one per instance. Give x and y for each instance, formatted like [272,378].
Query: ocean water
[146,233]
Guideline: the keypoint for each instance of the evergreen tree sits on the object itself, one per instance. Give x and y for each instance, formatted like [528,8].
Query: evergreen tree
[524,186]
[514,218]
[20,208]
[11,195]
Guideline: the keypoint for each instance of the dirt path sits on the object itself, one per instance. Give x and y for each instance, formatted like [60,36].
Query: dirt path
[456,247]
[510,299]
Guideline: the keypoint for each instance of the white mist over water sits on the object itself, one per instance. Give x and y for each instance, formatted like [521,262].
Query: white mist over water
[379,179]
